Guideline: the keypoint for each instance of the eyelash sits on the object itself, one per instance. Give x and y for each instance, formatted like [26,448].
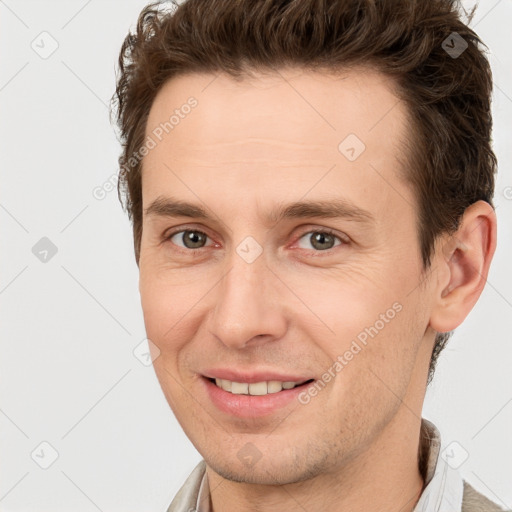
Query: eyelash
[325,231]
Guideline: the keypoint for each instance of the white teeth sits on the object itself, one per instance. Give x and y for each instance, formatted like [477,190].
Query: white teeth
[274,386]
[258,388]
[255,388]
[226,385]
[240,388]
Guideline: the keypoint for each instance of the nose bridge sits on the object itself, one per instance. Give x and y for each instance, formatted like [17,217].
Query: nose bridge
[245,303]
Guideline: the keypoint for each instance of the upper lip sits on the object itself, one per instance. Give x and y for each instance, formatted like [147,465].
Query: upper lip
[252,376]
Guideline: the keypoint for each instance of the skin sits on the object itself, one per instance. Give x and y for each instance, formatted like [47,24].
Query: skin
[246,147]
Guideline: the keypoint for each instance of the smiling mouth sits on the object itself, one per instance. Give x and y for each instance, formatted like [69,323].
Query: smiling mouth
[256,388]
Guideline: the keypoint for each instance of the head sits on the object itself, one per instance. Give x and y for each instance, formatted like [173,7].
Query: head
[244,110]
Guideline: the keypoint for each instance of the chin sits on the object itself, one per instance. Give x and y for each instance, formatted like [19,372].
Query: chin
[263,473]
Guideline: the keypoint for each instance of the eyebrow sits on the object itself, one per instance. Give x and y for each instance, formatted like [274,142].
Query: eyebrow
[334,208]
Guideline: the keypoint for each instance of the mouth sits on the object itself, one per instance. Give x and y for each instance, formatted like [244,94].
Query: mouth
[256,399]
[257,388]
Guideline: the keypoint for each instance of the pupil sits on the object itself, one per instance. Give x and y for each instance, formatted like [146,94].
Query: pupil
[320,238]
[194,238]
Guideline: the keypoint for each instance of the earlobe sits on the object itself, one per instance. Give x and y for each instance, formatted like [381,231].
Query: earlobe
[463,264]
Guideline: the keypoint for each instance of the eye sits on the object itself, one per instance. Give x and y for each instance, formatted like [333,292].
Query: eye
[193,239]
[321,240]
[189,238]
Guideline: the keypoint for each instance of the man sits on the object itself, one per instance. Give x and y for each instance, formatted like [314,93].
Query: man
[310,185]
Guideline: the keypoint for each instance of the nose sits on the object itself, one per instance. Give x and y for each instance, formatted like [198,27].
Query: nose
[249,309]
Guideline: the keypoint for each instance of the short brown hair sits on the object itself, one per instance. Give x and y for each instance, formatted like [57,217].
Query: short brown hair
[450,160]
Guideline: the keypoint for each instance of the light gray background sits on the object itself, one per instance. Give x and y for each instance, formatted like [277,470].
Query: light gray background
[69,326]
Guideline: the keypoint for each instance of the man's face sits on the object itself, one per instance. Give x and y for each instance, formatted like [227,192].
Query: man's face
[255,295]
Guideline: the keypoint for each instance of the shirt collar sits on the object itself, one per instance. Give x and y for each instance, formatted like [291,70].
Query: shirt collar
[443,487]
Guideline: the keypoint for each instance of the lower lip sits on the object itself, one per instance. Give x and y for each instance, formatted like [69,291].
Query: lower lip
[251,406]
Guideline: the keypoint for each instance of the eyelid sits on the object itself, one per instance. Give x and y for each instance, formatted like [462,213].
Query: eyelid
[167,235]
[344,239]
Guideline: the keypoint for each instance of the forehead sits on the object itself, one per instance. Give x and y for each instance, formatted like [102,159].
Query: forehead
[277,133]
[357,100]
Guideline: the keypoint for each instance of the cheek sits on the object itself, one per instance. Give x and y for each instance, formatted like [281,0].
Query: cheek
[369,320]
[372,376]
[165,317]
[341,302]
[165,307]
[379,359]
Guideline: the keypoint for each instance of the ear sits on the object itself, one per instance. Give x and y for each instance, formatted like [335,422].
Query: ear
[463,260]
